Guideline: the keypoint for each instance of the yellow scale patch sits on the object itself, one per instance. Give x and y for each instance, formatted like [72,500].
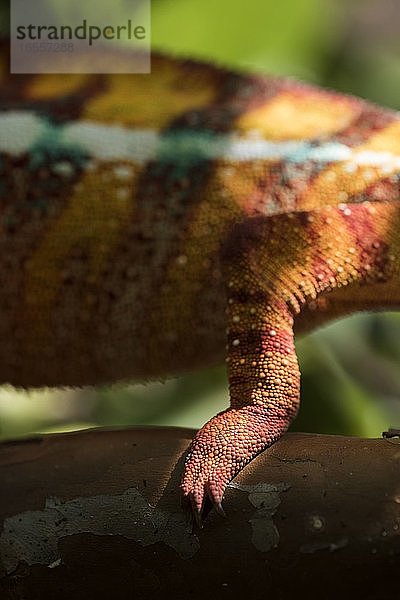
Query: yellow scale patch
[151,100]
[299,116]
[387,140]
[240,181]
[207,229]
[388,229]
[340,181]
[47,87]
[284,270]
[95,215]
[297,269]
[337,244]
[386,221]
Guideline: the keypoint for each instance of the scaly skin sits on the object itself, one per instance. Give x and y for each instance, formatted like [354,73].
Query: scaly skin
[353,248]
[142,216]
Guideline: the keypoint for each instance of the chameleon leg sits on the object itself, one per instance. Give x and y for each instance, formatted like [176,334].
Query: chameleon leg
[274,267]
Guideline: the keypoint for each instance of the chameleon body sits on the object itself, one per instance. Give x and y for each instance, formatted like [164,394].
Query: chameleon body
[153,224]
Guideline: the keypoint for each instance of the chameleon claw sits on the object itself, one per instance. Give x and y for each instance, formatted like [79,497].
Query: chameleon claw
[196,512]
[197,498]
[215,500]
[219,510]
[197,519]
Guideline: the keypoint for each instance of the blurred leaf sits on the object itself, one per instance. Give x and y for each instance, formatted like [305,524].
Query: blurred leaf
[279,37]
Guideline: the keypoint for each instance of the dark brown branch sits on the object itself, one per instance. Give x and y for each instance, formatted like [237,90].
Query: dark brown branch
[97,514]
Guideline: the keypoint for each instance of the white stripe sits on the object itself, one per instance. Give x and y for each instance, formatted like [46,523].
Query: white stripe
[108,142]
[21,130]
[18,131]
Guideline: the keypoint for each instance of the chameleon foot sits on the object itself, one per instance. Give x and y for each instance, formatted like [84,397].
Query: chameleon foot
[222,447]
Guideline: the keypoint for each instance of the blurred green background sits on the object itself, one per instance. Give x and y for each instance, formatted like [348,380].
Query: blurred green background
[350,370]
